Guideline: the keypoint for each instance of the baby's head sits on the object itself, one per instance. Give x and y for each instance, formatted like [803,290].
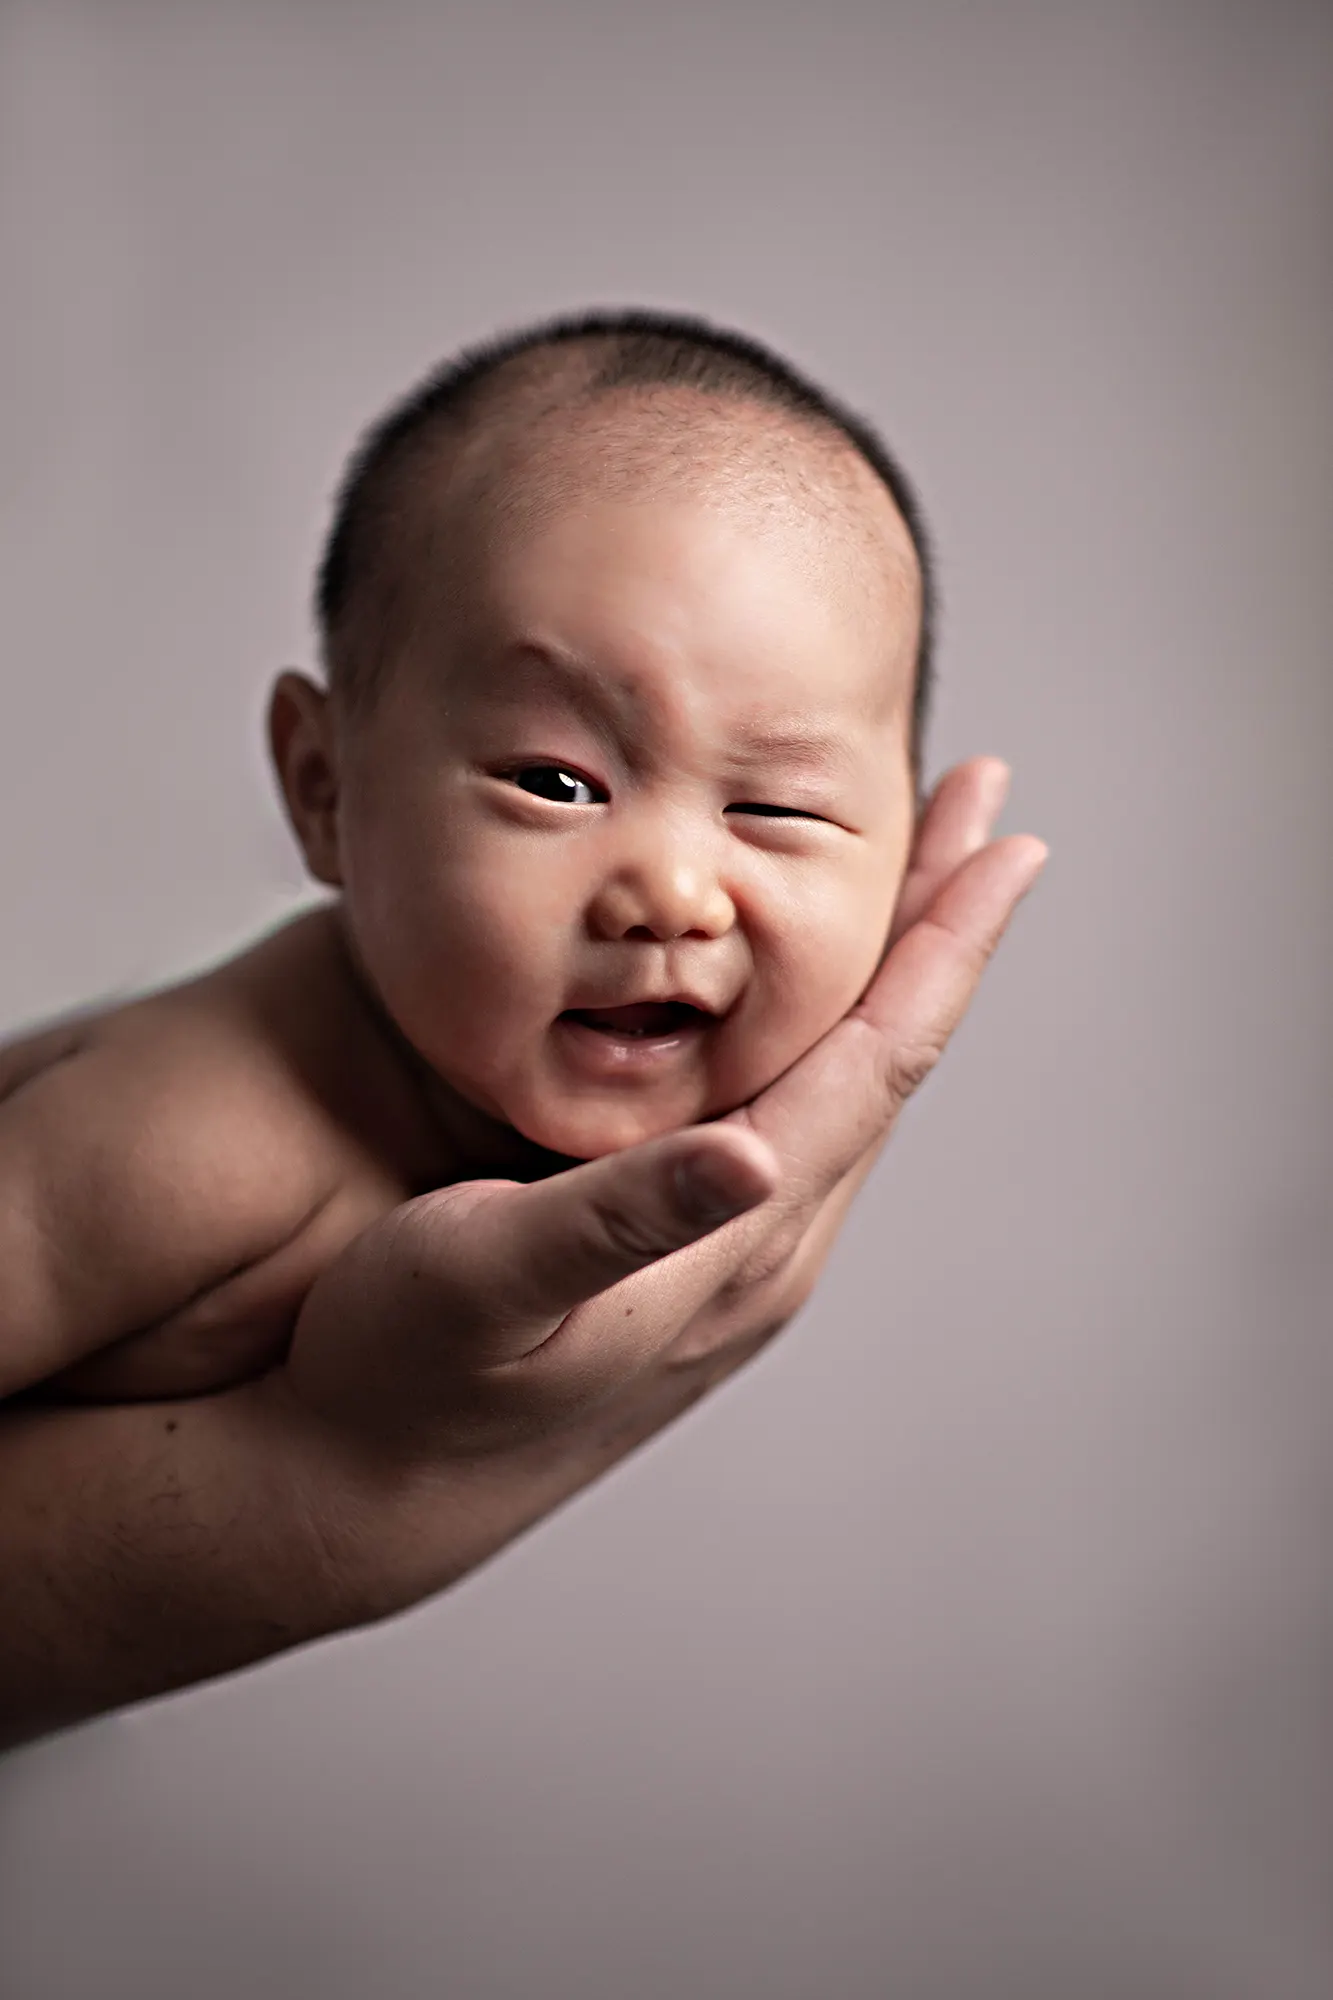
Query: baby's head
[626,633]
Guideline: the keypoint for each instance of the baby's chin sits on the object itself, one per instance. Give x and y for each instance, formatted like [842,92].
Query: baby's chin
[588,1124]
[591,1131]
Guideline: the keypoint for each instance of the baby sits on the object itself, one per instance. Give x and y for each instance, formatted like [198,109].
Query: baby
[626,633]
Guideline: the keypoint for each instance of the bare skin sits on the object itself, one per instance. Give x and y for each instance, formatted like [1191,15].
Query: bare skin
[143,1548]
[615,855]
[272,1115]
[621,838]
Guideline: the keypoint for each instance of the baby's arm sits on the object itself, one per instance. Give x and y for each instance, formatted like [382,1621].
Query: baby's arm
[146,1173]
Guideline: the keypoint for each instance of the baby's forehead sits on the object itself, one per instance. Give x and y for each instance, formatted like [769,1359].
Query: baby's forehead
[672,454]
[666,441]
[675,607]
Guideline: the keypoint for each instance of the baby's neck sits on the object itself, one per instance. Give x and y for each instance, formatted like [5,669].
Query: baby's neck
[454,1140]
[477,1146]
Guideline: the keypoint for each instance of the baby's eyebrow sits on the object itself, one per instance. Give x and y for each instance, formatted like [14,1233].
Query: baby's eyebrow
[811,749]
[531,664]
[626,712]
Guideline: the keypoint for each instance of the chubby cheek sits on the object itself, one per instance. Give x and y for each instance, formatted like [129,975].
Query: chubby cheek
[820,957]
[465,947]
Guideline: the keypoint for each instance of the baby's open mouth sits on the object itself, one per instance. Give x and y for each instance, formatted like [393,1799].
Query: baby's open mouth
[643,1020]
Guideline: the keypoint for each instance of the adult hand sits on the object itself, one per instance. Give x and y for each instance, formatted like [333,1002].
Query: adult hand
[526,1337]
[474,1359]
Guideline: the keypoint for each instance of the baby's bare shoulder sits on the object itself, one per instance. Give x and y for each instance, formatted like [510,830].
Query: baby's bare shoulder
[147,1154]
[193,1085]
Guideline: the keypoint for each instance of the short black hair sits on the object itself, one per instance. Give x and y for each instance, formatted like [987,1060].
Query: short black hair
[635,348]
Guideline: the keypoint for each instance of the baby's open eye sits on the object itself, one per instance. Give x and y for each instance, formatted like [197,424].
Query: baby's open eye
[554,782]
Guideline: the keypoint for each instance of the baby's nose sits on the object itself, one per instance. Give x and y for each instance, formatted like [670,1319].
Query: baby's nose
[661,900]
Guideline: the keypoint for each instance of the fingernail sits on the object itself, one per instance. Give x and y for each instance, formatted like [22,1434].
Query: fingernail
[706,1190]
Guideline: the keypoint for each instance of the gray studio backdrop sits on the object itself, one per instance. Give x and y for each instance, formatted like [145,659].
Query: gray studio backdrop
[979,1641]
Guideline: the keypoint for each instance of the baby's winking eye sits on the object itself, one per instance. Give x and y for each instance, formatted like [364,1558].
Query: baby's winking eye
[775,812]
[554,782]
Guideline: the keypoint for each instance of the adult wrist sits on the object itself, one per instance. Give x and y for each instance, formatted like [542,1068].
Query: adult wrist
[385,1532]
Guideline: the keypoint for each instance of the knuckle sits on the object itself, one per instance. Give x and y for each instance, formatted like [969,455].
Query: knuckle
[767,1263]
[631,1237]
[764,1265]
[715,1349]
[761,1336]
[906,1067]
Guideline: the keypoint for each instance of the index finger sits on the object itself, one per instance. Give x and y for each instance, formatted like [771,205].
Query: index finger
[844,1096]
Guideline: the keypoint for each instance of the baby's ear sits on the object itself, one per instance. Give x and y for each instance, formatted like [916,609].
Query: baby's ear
[300,738]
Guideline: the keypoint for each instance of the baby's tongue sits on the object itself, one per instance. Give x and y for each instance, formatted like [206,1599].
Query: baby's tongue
[644,1017]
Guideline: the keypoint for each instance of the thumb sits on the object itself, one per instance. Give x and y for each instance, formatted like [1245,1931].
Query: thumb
[531,1254]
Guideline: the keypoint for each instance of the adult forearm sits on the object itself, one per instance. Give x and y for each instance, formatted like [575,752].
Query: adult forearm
[146,1547]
